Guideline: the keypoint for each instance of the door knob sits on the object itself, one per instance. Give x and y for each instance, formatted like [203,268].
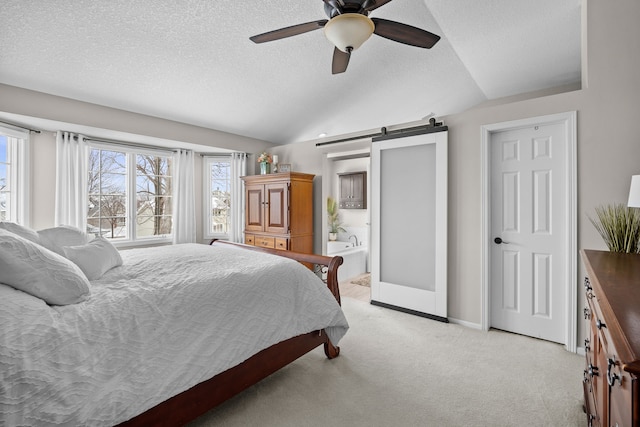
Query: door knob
[498,240]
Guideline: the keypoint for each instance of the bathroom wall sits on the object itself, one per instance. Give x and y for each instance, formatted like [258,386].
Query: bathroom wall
[355,221]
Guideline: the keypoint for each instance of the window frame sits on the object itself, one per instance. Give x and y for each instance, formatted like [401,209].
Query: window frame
[207,218]
[131,152]
[18,158]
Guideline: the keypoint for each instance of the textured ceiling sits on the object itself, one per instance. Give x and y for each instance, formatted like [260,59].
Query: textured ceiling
[192,61]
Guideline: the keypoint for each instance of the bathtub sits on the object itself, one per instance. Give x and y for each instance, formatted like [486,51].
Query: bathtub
[355,259]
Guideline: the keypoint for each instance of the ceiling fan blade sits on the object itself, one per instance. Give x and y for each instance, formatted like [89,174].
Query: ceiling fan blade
[370,5]
[340,61]
[404,33]
[335,4]
[293,30]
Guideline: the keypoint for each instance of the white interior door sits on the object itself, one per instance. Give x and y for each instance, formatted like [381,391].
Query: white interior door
[409,223]
[528,212]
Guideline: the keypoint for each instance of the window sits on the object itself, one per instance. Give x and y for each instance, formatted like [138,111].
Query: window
[217,200]
[13,176]
[130,194]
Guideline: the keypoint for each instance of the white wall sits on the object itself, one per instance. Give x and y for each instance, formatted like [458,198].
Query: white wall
[30,104]
[354,221]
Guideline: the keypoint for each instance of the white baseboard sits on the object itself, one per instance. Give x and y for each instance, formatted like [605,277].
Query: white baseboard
[465,323]
[580,350]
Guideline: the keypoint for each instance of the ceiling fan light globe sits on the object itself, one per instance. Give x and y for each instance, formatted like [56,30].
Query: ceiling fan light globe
[349,30]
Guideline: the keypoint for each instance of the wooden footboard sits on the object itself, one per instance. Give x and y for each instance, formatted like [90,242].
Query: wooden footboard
[203,397]
[331,264]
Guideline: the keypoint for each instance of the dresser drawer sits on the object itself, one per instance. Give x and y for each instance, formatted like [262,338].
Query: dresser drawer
[621,398]
[265,242]
[590,403]
[282,244]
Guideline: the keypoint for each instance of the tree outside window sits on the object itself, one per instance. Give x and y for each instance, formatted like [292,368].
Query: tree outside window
[153,195]
[112,206]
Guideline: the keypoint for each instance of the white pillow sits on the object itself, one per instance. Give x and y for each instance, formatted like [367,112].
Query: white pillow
[95,258]
[56,238]
[36,270]
[21,231]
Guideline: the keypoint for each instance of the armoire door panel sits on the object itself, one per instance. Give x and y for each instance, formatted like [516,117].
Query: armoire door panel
[277,208]
[254,208]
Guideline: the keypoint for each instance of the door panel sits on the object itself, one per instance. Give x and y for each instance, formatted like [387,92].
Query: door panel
[527,182]
[254,208]
[277,208]
[409,217]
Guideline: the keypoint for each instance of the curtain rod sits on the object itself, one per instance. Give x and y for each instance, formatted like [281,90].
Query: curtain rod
[149,147]
[129,144]
[21,127]
[220,154]
[432,126]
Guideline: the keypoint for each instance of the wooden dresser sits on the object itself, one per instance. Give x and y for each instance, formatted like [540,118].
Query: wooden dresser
[279,211]
[612,346]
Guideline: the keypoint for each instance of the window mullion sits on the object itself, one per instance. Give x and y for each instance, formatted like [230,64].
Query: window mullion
[131,195]
[207,196]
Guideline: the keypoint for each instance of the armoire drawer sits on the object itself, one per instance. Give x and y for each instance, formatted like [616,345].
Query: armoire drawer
[265,242]
[282,244]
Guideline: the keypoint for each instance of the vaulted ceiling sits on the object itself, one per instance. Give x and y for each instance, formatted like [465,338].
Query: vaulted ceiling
[192,60]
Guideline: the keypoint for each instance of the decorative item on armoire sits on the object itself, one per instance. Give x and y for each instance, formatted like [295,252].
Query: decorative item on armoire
[284,167]
[265,161]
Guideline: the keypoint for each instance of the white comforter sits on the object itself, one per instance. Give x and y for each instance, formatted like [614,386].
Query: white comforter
[167,319]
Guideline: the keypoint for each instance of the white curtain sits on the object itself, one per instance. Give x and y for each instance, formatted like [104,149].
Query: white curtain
[238,169]
[184,202]
[72,158]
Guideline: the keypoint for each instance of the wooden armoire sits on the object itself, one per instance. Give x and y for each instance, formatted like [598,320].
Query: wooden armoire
[279,211]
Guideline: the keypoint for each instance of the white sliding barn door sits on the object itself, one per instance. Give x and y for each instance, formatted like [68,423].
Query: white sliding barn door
[409,223]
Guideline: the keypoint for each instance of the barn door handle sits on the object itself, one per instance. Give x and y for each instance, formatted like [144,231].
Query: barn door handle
[498,240]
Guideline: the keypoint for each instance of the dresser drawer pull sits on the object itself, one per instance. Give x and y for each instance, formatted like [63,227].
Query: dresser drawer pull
[600,324]
[586,344]
[611,377]
[593,370]
[587,313]
[587,284]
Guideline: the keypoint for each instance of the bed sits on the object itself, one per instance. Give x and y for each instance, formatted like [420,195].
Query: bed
[162,338]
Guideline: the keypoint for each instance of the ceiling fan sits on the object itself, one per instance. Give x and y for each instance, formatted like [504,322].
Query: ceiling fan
[349,26]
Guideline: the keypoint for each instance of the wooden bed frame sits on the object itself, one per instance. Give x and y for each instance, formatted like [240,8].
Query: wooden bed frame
[199,399]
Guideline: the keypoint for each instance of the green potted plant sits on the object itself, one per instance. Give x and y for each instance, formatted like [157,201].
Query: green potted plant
[333,219]
[619,227]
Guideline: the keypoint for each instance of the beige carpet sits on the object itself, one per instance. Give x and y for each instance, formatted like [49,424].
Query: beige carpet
[396,369]
[362,280]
